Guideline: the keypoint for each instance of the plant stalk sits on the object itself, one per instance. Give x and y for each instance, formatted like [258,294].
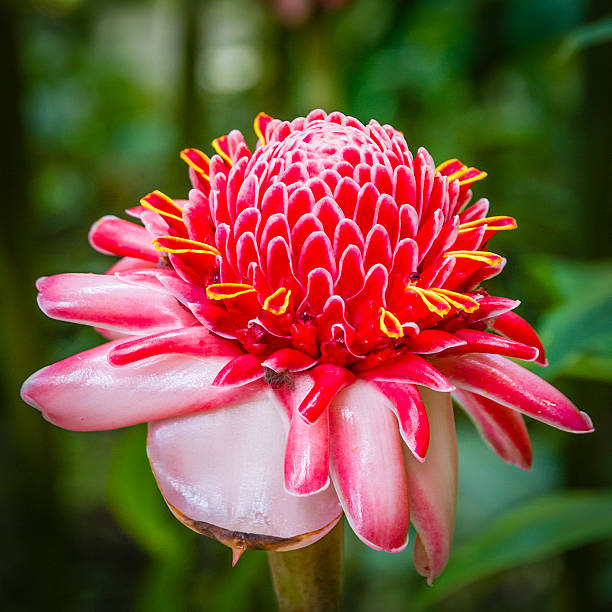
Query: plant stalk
[310,579]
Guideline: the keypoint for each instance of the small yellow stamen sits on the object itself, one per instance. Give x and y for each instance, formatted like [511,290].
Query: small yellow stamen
[493,259]
[278,310]
[396,330]
[152,200]
[458,300]
[446,164]
[257,126]
[434,302]
[196,159]
[183,245]
[227,291]
[216,143]
[478,177]
[498,224]
[458,174]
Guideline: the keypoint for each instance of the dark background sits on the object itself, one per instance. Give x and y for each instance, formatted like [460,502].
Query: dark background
[97,99]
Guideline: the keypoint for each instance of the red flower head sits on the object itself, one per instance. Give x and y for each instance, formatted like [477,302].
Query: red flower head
[306,313]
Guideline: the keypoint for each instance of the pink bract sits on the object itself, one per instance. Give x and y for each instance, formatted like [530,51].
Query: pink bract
[293,332]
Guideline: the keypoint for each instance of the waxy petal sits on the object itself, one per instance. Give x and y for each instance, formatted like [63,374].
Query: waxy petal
[409,369]
[86,393]
[367,467]
[433,488]
[516,328]
[431,341]
[234,491]
[307,452]
[329,380]
[184,341]
[241,370]
[482,342]
[115,236]
[109,303]
[511,385]
[289,359]
[409,409]
[502,428]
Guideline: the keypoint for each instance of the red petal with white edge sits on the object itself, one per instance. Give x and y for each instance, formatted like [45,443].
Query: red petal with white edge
[307,453]
[410,369]
[114,236]
[86,393]
[239,371]
[221,473]
[107,302]
[511,385]
[481,342]
[433,341]
[185,341]
[502,428]
[492,306]
[409,409]
[367,467]
[516,328]
[289,359]
[329,380]
[433,488]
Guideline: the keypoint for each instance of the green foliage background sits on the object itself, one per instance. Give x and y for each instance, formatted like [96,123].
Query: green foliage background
[98,98]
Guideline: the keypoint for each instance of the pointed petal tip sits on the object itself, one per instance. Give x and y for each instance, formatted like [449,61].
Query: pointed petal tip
[588,423]
[297,492]
[26,392]
[390,547]
[423,563]
[236,554]
[40,281]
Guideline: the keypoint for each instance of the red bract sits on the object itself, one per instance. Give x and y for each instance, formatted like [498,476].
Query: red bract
[306,313]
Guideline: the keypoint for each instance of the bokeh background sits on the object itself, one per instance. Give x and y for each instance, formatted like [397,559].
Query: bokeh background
[97,99]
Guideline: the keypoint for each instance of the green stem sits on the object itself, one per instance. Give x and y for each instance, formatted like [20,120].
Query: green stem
[310,578]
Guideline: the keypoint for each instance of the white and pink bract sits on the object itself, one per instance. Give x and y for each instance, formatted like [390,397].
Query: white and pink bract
[303,319]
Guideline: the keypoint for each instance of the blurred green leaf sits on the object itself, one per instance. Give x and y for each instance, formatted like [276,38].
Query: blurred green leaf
[586,36]
[137,503]
[529,533]
[591,368]
[163,586]
[572,279]
[581,327]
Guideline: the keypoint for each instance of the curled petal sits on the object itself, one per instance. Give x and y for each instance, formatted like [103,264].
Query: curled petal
[307,452]
[86,393]
[289,359]
[409,409]
[409,369]
[502,428]
[516,328]
[115,236]
[433,488]
[240,370]
[234,491]
[329,380]
[433,341]
[107,302]
[185,341]
[367,467]
[481,342]
[513,386]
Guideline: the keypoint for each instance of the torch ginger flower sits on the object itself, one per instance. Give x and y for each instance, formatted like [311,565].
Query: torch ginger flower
[304,318]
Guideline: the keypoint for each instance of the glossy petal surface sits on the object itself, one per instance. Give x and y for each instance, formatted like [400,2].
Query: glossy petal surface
[85,392]
[433,488]
[368,467]
[237,488]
